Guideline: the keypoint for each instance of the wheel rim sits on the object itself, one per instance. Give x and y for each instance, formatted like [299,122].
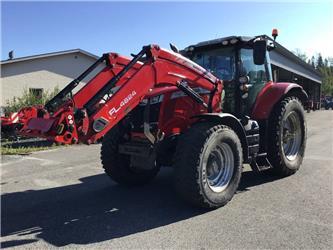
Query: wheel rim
[291,136]
[220,167]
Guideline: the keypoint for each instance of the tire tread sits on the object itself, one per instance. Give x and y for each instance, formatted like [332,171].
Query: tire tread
[189,151]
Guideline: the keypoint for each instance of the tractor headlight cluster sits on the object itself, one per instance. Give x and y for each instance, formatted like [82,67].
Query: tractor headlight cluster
[234,41]
[100,124]
[231,41]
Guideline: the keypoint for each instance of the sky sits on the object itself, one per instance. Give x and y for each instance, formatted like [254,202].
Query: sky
[31,28]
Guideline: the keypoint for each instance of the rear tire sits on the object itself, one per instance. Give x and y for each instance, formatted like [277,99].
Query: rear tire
[118,166]
[208,165]
[287,136]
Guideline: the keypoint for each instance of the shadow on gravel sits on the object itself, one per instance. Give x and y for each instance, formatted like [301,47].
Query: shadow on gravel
[251,179]
[96,210]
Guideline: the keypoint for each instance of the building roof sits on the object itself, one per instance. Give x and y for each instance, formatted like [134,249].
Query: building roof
[64,52]
[315,74]
[281,57]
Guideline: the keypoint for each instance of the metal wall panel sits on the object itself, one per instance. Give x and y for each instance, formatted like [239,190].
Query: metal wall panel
[282,61]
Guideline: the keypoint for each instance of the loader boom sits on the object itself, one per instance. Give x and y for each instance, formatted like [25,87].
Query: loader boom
[119,88]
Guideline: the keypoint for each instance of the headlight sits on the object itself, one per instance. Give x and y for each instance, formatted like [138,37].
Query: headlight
[100,124]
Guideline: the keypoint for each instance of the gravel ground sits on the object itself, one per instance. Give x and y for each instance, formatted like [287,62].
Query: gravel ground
[61,198]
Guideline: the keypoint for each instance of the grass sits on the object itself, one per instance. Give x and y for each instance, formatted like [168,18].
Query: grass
[8,150]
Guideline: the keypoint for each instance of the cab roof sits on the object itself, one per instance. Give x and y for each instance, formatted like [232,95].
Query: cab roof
[218,41]
[303,68]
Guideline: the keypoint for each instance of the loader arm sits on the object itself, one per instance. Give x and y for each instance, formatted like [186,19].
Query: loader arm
[115,91]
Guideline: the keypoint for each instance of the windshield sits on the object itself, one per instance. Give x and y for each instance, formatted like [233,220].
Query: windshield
[220,62]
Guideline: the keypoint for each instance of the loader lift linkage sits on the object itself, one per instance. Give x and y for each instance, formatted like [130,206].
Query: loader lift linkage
[111,84]
[90,106]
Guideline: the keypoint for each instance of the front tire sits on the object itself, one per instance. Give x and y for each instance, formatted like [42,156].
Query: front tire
[118,166]
[287,136]
[208,165]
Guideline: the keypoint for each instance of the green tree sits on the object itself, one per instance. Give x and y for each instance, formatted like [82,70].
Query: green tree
[320,61]
[326,62]
[28,98]
[327,80]
[313,61]
[330,61]
[325,67]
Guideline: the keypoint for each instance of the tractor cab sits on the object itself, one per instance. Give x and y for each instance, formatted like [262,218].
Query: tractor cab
[241,62]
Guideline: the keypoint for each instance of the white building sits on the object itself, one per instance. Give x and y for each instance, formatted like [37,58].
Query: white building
[40,73]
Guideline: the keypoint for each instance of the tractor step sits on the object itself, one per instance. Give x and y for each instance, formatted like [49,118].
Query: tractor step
[260,163]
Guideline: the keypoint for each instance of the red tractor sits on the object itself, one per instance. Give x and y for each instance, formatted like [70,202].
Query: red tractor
[170,108]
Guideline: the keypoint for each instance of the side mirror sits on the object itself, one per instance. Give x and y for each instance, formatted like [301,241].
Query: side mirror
[259,52]
[174,48]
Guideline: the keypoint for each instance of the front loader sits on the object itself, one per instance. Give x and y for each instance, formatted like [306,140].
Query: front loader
[170,108]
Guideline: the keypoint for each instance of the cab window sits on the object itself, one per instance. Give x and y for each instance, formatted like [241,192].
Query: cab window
[256,73]
[220,62]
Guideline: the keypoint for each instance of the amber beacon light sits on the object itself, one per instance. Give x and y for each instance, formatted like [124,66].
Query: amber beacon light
[275,33]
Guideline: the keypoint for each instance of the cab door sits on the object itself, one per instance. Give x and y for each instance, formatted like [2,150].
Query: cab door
[258,75]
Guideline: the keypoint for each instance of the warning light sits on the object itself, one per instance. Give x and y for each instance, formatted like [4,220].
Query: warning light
[275,33]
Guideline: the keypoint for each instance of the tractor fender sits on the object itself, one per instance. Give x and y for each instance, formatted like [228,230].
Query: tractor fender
[230,121]
[271,94]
